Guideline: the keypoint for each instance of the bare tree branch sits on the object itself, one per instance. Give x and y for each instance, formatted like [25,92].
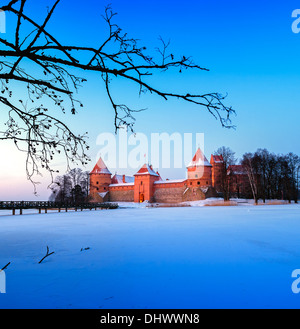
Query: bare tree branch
[44,67]
[5,267]
[47,255]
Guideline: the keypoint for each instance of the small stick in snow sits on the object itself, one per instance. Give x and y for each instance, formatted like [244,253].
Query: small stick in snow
[5,267]
[47,255]
[84,249]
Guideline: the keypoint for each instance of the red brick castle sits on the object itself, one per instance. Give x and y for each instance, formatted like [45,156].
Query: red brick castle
[203,181]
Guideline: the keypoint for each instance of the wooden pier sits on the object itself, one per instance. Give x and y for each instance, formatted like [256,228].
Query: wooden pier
[49,205]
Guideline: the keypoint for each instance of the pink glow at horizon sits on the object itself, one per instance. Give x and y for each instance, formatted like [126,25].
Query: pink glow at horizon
[14,185]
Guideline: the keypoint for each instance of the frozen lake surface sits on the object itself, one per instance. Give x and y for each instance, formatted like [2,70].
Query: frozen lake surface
[194,257]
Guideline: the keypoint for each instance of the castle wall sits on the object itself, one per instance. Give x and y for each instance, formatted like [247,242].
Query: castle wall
[121,194]
[217,163]
[217,174]
[211,193]
[169,194]
[96,197]
[193,194]
[176,193]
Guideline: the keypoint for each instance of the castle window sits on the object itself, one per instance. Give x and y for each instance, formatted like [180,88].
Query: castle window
[141,183]
[198,183]
[104,188]
[191,183]
[206,183]
[196,176]
[97,183]
[97,189]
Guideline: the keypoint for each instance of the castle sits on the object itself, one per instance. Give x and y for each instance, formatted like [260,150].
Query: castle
[203,181]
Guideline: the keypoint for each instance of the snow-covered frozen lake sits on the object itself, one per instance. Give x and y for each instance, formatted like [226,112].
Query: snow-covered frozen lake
[197,257]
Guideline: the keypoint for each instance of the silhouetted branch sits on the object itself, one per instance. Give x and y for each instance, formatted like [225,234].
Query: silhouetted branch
[5,267]
[50,78]
[85,249]
[47,255]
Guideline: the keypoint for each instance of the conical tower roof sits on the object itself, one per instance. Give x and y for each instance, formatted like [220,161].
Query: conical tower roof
[100,168]
[199,160]
[147,170]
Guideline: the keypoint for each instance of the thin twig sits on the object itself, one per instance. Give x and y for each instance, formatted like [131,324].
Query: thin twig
[5,267]
[47,255]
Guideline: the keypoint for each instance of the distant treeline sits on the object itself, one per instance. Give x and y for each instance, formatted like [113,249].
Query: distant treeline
[272,176]
[266,175]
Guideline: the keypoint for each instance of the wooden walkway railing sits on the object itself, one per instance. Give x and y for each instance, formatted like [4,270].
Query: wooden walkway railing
[46,205]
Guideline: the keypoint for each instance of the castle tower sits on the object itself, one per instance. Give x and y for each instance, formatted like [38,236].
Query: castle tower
[199,171]
[100,179]
[143,184]
[217,163]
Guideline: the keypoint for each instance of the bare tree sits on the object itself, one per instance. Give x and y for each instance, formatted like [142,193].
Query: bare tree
[61,189]
[250,166]
[272,176]
[80,181]
[47,70]
[297,180]
[72,187]
[293,161]
[262,159]
[228,160]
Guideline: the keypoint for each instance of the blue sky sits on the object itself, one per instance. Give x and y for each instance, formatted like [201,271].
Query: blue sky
[249,47]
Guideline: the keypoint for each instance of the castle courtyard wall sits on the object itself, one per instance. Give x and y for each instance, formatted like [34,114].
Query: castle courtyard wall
[193,194]
[168,194]
[119,195]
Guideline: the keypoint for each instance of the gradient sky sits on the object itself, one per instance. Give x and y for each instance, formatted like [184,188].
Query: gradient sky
[249,47]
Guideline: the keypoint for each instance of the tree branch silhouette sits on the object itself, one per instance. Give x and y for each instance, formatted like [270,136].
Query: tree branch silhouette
[5,267]
[47,255]
[44,67]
